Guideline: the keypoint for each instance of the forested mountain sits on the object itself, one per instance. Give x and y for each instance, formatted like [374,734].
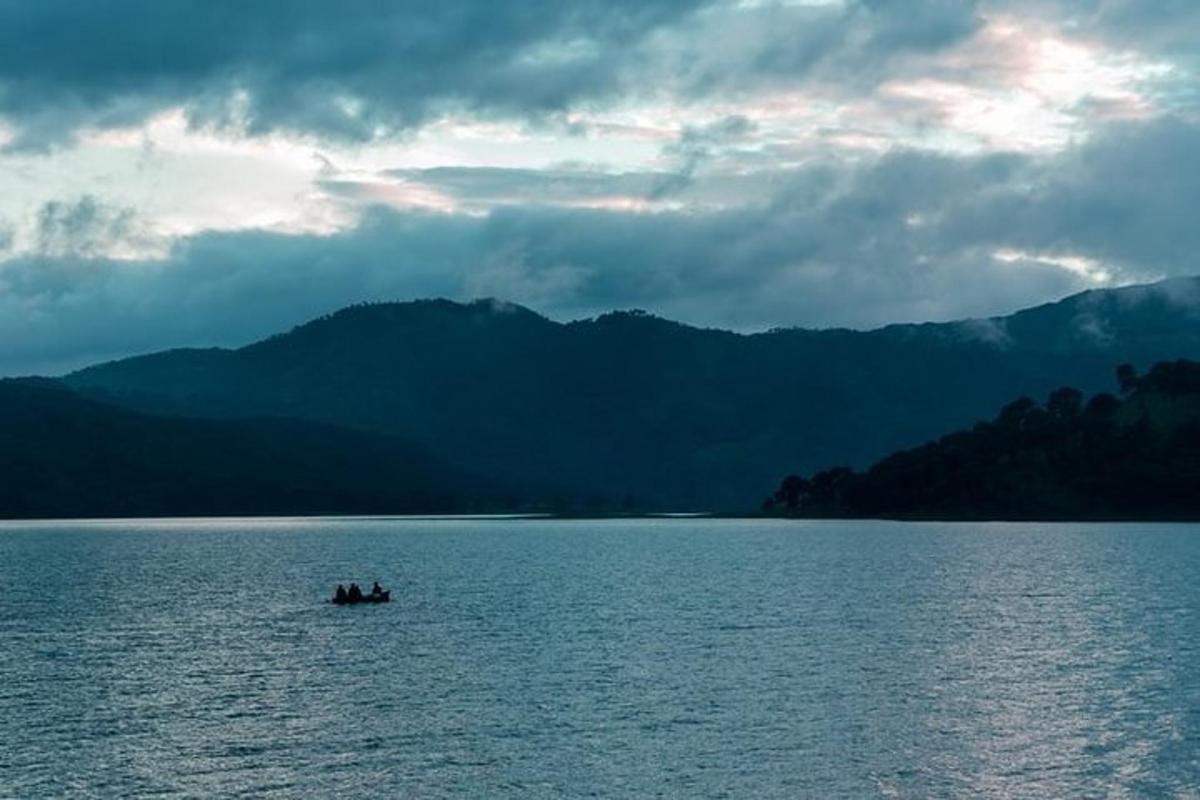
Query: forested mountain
[1133,457]
[66,456]
[631,411]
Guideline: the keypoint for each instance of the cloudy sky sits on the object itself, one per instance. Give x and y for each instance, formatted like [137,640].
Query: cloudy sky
[197,172]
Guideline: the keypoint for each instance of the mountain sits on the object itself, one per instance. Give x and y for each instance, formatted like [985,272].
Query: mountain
[66,456]
[1135,457]
[629,410]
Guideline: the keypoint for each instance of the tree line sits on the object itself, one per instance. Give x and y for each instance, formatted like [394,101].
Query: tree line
[1135,454]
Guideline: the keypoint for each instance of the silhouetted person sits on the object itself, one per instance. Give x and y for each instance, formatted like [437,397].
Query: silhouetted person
[340,596]
[376,589]
[355,593]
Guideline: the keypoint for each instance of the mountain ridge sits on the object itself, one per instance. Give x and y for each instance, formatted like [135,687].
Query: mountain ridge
[62,455]
[631,410]
[1192,285]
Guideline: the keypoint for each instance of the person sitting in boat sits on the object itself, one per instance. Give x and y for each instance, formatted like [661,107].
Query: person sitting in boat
[340,595]
[376,589]
[355,593]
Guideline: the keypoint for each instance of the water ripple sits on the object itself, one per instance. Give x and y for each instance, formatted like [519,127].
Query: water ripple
[666,658]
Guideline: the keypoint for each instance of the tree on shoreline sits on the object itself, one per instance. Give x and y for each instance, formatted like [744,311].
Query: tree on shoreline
[1134,456]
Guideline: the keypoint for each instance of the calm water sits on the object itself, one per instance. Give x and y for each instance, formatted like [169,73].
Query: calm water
[681,658]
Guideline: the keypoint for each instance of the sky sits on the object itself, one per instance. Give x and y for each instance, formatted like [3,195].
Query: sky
[209,172]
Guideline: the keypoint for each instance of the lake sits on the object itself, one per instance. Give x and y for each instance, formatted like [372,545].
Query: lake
[685,658]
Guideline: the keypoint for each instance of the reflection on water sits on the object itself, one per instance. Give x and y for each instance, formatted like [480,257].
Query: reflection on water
[678,658]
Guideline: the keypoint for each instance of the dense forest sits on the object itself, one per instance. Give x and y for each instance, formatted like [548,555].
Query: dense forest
[66,456]
[628,411]
[1126,456]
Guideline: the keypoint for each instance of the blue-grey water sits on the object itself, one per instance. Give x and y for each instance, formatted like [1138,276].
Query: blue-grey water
[526,659]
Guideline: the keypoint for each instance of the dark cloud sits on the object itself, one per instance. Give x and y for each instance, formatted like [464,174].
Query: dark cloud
[1126,198]
[353,68]
[918,25]
[217,288]
[340,68]
[746,269]
[853,44]
[1155,25]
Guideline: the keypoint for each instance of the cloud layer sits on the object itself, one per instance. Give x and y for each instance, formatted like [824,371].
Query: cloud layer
[346,69]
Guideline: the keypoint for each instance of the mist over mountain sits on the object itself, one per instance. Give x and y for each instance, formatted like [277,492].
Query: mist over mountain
[628,410]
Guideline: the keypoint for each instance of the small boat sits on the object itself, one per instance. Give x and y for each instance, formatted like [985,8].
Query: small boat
[381,597]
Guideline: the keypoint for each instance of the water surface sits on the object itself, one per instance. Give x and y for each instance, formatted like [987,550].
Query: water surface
[650,658]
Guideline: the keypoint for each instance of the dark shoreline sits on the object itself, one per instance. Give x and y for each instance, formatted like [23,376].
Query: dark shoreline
[546,517]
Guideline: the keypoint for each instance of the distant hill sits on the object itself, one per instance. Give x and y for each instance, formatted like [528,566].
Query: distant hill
[66,456]
[1134,457]
[631,411]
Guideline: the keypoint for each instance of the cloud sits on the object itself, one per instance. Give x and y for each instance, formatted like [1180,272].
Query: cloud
[343,70]
[695,146]
[1124,199]
[215,288]
[733,48]
[991,331]
[480,188]
[357,69]
[905,236]
[747,269]
[1162,25]
[84,228]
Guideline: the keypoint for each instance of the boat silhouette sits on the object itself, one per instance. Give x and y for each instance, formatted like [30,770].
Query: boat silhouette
[355,597]
[382,597]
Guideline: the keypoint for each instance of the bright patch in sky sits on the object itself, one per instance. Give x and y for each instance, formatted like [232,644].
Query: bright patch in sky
[1020,87]
[1089,269]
